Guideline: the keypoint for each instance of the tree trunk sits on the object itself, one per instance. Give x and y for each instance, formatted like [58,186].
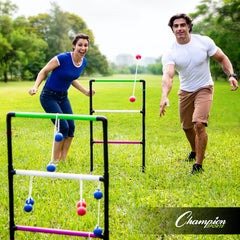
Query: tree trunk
[5,77]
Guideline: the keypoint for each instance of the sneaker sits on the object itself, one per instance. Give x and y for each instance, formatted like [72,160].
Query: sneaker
[197,169]
[191,157]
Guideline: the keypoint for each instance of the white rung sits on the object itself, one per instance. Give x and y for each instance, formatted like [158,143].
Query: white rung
[117,111]
[59,175]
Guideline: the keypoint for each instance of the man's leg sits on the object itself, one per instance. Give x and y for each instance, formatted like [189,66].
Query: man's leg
[200,142]
[186,109]
[202,105]
[191,135]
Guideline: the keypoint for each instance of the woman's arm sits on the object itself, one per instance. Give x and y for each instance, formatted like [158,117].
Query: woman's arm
[82,89]
[52,64]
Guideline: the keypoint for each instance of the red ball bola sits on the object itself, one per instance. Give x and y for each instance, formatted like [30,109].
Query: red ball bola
[132,99]
[81,207]
[138,57]
[81,211]
[82,203]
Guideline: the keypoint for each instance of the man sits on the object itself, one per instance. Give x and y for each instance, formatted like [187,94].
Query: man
[189,55]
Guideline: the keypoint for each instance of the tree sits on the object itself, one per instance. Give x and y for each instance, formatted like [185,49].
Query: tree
[77,25]
[18,46]
[220,21]
[26,45]
[40,25]
[96,61]
[156,68]
[7,8]
[57,36]
[58,30]
[28,48]
[6,48]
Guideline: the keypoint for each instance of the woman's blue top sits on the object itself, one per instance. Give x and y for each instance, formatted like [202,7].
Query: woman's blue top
[61,77]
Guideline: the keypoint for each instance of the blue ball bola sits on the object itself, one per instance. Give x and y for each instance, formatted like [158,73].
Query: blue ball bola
[97,231]
[28,207]
[98,194]
[30,201]
[58,137]
[51,167]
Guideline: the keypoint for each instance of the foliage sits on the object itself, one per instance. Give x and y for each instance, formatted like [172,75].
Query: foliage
[19,47]
[220,21]
[57,36]
[7,8]
[40,25]
[156,68]
[96,61]
[77,25]
[28,44]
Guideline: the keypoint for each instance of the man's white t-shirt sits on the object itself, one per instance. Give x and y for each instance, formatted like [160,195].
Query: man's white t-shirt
[191,61]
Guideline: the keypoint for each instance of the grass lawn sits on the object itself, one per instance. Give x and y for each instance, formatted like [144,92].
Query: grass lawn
[166,183]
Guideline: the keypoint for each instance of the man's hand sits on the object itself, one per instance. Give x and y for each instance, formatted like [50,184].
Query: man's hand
[233,83]
[164,102]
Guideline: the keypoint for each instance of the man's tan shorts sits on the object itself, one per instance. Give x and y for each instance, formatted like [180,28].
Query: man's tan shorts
[195,106]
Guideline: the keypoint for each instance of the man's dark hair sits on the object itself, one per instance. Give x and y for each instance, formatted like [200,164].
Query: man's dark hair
[181,15]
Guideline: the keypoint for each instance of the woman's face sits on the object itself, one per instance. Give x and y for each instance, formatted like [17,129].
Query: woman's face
[81,47]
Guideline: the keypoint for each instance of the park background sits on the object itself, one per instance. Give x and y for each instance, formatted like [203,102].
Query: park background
[27,43]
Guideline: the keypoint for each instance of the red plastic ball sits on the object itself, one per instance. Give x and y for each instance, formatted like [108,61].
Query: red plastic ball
[132,99]
[81,211]
[81,203]
[138,57]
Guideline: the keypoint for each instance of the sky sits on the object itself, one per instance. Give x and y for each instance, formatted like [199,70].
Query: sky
[120,26]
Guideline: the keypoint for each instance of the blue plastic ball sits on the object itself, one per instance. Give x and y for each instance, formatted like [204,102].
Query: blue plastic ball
[98,194]
[28,207]
[30,201]
[58,137]
[51,167]
[97,231]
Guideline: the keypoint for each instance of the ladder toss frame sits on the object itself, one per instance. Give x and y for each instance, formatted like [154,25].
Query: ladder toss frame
[142,111]
[12,172]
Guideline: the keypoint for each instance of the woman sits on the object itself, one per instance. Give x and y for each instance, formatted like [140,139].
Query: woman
[65,69]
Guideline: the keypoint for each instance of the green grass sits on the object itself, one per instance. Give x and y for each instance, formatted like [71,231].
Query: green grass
[166,182]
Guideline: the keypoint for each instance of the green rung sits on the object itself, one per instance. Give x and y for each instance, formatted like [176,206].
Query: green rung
[53,116]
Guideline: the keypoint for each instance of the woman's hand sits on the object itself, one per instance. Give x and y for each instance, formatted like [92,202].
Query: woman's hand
[33,91]
[88,92]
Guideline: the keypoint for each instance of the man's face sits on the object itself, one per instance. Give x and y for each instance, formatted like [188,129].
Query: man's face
[181,30]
